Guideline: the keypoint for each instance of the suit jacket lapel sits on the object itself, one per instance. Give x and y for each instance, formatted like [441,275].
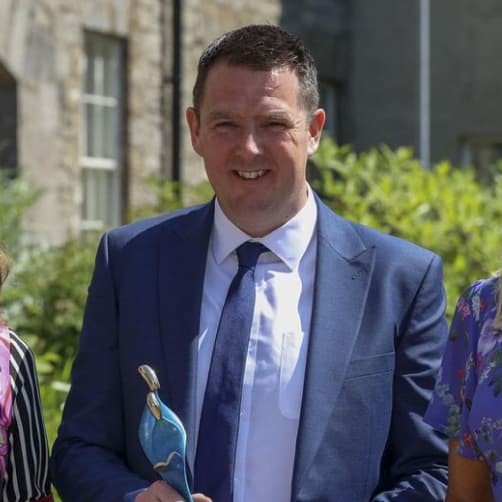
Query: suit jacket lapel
[182,262]
[344,268]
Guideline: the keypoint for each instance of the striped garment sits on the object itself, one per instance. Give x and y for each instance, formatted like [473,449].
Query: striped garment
[27,475]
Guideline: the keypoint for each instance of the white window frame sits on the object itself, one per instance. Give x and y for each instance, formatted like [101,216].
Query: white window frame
[104,206]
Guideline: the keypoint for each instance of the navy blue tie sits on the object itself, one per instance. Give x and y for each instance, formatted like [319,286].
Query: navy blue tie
[217,441]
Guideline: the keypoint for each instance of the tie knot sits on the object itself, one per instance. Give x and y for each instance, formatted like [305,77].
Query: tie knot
[249,252]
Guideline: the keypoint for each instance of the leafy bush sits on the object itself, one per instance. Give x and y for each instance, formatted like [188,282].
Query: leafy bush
[44,300]
[16,197]
[445,209]
[171,195]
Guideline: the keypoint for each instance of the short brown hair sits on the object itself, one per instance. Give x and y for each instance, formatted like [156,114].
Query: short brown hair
[261,47]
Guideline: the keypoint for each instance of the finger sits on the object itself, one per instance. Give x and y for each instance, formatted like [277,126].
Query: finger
[199,497]
[159,491]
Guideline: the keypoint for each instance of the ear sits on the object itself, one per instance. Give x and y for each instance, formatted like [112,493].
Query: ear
[192,119]
[315,129]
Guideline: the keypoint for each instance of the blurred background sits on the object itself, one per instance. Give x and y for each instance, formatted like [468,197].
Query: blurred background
[92,134]
[93,93]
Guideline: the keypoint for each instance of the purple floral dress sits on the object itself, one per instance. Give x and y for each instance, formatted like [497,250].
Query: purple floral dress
[467,400]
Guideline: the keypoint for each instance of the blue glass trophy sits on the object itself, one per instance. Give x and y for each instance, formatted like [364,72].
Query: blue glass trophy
[163,437]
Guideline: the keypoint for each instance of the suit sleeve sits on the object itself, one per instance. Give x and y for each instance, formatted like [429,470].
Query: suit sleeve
[88,463]
[415,462]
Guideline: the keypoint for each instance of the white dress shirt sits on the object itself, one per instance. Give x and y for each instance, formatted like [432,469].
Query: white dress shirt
[277,351]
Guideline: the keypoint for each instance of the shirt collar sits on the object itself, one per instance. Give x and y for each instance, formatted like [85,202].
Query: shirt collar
[288,242]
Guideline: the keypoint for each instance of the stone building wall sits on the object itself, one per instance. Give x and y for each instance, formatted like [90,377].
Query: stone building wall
[466,74]
[382,86]
[41,45]
[28,49]
[146,120]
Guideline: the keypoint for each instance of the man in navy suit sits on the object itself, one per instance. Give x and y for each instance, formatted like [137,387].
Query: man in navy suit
[347,328]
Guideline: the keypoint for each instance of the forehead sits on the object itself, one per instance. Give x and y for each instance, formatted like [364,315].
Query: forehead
[233,85]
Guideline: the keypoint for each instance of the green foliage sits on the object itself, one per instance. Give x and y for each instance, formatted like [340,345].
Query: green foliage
[444,209]
[171,195]
[15,198]
[44,300]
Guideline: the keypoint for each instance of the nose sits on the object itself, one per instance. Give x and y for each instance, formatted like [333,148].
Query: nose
[250,142]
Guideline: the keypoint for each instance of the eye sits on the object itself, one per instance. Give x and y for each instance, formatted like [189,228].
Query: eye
[277,125]
[224,124]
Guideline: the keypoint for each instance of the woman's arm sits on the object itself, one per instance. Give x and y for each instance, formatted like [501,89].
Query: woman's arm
[27,461]
[468,479]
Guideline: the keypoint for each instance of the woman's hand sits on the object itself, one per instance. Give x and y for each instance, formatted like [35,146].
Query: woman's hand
[468,480]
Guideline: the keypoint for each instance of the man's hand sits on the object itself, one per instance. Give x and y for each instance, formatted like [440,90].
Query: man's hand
[162,492]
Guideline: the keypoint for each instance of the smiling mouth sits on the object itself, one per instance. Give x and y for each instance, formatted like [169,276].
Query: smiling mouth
[251,175]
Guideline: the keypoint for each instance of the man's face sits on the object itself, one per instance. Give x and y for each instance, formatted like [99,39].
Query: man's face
[255,139]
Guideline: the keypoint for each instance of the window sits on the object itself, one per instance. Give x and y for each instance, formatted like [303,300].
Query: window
[8,121]
[328,101]
[102,156]
[484,153]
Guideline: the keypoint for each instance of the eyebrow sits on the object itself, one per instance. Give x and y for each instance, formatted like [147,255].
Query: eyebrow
[219,115]
[277,115]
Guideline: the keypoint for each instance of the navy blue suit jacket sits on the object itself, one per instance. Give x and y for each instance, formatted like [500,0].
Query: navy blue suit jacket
[376,338]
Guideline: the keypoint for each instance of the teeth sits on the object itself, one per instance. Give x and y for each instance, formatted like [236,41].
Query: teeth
[251,175]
